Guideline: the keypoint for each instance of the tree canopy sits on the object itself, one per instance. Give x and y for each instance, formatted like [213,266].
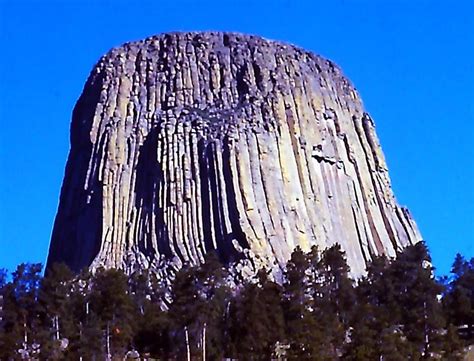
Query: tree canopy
[397,311]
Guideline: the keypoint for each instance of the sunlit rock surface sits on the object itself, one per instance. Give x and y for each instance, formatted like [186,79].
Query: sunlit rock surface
[185,143]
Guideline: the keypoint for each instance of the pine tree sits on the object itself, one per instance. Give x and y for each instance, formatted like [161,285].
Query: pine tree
[303,333]
[11,330]
[26,282]
[393,314]
[199,300]
[152,336]
[86,340]
[57,322]
[375,326]
[453,348]
[20,325]
[257,319]
[459,298]
[184,312]
[3,277]
[364,335]
[111,302]
[333,299]
[339,286]
[418,293]
[214,293]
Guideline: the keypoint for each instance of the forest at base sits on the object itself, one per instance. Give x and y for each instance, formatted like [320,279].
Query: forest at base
[397,311]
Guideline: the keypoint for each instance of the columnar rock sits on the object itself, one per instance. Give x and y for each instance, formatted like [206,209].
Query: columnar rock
[185,143]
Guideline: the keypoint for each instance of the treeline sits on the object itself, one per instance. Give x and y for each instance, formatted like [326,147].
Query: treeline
[398,311]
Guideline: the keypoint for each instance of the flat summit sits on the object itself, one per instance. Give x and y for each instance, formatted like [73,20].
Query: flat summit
[187,143]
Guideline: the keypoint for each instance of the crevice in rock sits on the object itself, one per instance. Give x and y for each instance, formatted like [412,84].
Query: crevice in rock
[167,158]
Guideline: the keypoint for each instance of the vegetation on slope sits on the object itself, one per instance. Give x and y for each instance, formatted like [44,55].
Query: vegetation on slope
[398,311]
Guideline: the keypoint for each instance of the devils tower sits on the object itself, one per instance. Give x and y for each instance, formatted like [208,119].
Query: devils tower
[186,143]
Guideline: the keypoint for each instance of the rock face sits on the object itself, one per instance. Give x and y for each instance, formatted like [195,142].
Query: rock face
[185,143]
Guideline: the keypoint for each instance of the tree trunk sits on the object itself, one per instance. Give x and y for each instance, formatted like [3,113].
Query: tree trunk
[109,356]
[188,350]
[56,319]
[204,342]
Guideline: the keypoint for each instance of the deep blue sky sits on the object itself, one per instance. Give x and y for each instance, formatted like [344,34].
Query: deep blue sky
[412,62]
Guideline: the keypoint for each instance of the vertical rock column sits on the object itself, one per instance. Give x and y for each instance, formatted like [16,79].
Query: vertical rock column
[186,143]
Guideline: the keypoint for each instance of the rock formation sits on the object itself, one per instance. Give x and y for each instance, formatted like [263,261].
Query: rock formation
[185,143]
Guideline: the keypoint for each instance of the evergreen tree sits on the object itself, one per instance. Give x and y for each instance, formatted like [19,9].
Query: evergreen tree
[86,342]
[152,336]
[26,282]
[140,289]
[452,349]
[459,298]
[418,293]
[393,314]
[3,278]
[364,335]
[302,330]
[11,330]
[375,327]
[337,285]
[199,299]
[333,299]
[111,302]
[214,294]
[56,318]
[184,312]
[257,319]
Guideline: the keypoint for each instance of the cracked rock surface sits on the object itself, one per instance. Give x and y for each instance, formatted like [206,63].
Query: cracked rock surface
[184,143]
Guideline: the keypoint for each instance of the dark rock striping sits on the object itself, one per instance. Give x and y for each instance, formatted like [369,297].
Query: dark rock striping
[189,142]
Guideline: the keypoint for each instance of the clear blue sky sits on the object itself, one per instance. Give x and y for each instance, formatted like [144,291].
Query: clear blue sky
[412,62]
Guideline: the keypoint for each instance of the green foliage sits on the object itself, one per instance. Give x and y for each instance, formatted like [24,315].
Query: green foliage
[257,321]
[215,295]
[417,290]
[152,324]
[87,338]
[333,300]
[153,332]
[113,305]
[21,326]
[200,297]
[400,303]
[53,301]
[453,347]
[459,298]
[10,328]
[397,311]
[300,323]
[3,277]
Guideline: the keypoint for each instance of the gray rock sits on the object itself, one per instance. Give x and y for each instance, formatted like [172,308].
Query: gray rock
[186,143]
